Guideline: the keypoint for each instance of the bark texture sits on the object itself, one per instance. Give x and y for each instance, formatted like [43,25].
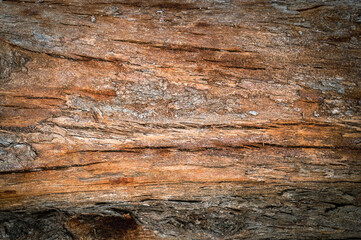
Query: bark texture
[180,119]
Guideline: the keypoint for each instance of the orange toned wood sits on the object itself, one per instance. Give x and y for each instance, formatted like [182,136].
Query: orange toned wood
[180,119]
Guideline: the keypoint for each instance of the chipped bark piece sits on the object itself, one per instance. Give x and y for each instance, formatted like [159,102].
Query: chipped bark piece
[180,119]
[92,226]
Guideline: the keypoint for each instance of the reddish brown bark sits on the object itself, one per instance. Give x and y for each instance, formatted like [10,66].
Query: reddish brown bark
[184,119]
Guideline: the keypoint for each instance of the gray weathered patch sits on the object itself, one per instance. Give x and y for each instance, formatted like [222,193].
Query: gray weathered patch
[14,155]
[10,61]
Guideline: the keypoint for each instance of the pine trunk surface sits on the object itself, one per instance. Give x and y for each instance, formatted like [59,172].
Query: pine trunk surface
[180,119]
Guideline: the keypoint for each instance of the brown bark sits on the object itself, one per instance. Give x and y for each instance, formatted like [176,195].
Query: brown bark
[180,119]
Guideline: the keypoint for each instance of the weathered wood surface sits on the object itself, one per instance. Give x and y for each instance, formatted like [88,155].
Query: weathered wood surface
[184,119]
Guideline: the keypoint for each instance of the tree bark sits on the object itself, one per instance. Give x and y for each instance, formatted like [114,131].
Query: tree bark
[180,119]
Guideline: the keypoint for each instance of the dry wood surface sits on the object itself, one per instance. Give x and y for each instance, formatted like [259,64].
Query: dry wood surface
[184,119]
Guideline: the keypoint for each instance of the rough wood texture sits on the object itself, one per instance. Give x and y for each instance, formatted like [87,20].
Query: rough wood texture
[180,119]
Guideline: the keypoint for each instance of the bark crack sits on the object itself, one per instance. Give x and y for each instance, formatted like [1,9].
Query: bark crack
[52,168]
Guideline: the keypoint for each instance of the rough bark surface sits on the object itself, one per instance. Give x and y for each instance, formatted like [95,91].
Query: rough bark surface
[180,119]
